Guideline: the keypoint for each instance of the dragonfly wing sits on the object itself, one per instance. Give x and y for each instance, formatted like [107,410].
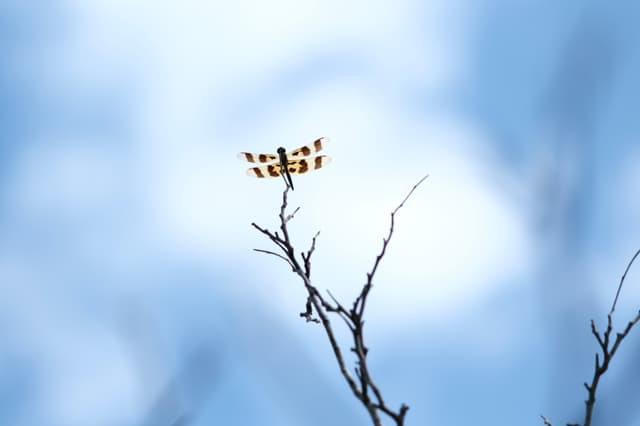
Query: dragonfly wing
[270,170]
[307,150]
[308,164]
[257,158]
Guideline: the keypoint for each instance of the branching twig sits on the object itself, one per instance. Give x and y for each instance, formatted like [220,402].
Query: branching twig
[607,351]
[353,318]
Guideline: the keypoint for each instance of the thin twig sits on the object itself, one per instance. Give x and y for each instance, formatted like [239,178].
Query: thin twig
[307,257]
[615,300]
[275,254]
[546,421]
[360,301]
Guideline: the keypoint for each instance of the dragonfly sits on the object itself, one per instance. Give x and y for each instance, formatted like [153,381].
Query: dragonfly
[287,163]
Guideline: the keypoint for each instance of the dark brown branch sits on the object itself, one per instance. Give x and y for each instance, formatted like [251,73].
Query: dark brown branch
[607,351]
[314,300]
[307,257]
[317,305]
[341,311]
[308,313]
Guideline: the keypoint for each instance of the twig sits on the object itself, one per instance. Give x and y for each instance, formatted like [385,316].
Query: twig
[607,350]
[615,300]
[275,254]
[362,298]
[546,421]
[353,318]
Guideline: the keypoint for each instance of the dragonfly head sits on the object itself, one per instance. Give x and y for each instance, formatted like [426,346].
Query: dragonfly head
[281,150]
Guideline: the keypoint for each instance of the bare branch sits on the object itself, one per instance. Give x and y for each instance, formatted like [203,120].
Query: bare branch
[307,257]
[607,351]
[353,319]
[273,237]
[308,313]
[341,311]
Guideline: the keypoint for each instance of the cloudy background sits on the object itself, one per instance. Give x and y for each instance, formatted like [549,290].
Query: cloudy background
[129,291]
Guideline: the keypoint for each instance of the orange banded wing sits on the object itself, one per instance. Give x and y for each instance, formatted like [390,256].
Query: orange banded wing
[270,170]
[307,150]
[294,166]
[257,158]
[308,164]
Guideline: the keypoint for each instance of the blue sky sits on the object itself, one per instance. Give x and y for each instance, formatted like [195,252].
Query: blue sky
[132,295]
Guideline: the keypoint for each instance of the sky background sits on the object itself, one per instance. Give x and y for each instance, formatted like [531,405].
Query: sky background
[130,294]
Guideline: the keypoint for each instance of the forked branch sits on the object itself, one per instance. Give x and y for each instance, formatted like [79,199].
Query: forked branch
[608,349]
[318,308]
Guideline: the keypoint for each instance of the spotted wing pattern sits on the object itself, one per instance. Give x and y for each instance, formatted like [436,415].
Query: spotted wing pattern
[257,158]
[295,160]
[293,166]
[307,150]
